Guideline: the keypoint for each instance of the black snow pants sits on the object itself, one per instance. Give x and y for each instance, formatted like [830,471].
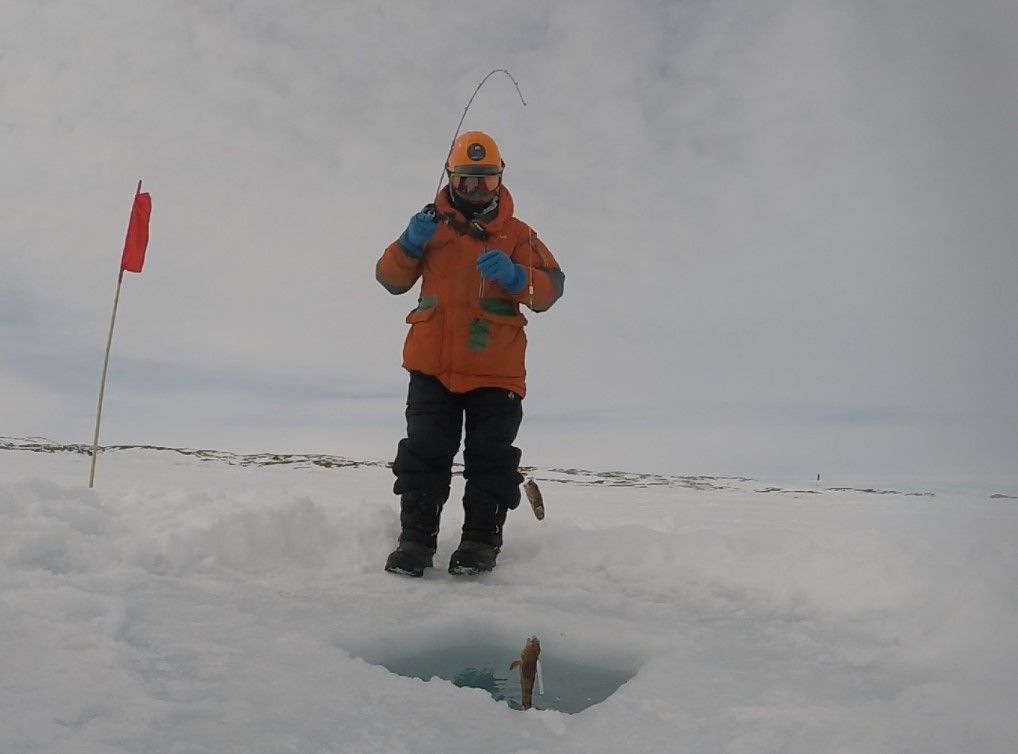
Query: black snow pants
[423,467]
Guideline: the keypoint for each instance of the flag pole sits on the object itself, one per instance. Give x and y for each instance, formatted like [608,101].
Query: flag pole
[106,364]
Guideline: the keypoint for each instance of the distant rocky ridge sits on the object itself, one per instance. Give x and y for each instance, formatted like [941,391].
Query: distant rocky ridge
[305,460]
[308,460]
[563,476]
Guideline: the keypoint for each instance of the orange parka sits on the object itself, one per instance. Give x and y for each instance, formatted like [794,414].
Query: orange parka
[467,331]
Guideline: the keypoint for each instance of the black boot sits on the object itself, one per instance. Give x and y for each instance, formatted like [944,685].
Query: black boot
[419,515]
[410,559]
[481,540]
[472,557]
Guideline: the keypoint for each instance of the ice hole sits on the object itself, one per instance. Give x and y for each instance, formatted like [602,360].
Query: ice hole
[569,686]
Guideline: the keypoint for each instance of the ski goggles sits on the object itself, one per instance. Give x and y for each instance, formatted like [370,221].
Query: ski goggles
[469,183]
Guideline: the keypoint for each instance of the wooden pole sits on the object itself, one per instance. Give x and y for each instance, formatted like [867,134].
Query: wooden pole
[106,364]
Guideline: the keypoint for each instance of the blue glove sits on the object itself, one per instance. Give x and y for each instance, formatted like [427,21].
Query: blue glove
[495,266]
[418,232]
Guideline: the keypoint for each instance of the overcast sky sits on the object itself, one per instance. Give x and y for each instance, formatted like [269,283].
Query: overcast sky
[788,228]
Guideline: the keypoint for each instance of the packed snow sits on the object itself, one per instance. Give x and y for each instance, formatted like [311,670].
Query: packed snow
[212,603]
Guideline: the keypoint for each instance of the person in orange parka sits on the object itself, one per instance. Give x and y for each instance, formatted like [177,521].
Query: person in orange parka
[465,354]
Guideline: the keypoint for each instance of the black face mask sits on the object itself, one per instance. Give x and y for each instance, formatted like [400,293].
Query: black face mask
[473,209]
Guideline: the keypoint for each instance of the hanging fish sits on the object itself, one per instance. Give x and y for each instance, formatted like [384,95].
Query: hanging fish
[528,670]
[535,498]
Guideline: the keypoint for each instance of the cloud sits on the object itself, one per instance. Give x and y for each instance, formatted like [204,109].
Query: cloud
[758,206]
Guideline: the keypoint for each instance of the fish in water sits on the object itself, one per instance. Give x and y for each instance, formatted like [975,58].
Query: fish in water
[528,670]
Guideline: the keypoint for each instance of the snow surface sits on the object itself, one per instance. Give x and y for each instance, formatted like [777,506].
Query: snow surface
[191,605]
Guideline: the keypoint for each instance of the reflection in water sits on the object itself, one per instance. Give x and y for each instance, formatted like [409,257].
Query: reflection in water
[482,678]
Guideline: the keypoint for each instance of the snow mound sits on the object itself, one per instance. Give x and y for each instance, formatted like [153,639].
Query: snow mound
[191,605]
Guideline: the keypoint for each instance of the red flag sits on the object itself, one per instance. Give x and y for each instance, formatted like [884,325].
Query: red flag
[137,234]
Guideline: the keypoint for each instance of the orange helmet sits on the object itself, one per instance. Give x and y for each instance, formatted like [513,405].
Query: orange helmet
[474,153]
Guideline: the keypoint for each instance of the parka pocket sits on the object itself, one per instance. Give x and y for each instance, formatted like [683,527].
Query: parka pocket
[419,315]
[498,343]
[422,351]
[426,307]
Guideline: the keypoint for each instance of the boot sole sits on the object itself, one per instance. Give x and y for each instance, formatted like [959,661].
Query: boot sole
[465,570]
[404,571]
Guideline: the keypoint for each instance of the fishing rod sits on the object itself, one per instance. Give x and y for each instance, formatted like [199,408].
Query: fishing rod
[472,228]
[465,109]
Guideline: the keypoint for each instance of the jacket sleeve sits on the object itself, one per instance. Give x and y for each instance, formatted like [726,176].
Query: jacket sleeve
[396,270]
[545,280]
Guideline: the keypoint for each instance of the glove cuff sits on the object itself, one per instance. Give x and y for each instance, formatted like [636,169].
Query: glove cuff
[519,278]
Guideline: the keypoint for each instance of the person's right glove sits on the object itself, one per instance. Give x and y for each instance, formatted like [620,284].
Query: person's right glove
[418,232]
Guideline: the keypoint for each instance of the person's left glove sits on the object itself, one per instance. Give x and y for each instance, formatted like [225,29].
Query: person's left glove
[496,266]
[418,232]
